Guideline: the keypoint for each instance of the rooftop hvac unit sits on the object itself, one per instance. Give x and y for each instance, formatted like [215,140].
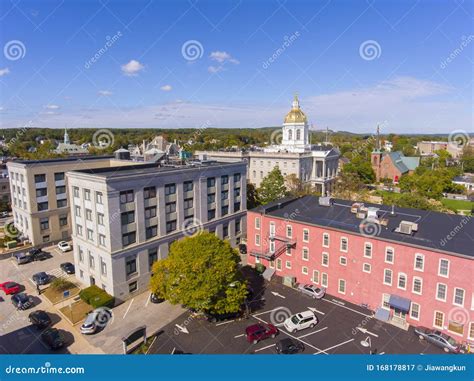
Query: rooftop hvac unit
[407,227]
[355,207]
[360,215]
[326,201]
[372,212]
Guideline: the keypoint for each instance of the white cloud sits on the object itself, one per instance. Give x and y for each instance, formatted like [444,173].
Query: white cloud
[51,107]
[104,93]
[215,69]
[4,71]
[223,57]
[132,68]
[166,88]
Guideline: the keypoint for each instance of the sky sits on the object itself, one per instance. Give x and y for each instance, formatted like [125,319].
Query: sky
[405,65]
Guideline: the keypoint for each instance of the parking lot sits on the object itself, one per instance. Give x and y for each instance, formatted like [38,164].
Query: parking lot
[336,332]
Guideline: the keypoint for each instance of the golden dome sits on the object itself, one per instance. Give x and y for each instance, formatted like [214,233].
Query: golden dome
[295,115]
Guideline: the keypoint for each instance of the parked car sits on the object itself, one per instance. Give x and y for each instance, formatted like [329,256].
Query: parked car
[439,339]
[10,288]
[260,331]
[289,347]
[53,338]
[312,290]
[21,301]
[41,278]
[154,298]
[95,320]
[64,246]
[67,267]
[301,320]
[22,258]
[39,319]
[3,214]
[38,254]
[214,318]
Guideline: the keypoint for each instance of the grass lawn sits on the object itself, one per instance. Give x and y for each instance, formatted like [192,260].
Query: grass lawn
[56,296]
[457,204]
[76,312]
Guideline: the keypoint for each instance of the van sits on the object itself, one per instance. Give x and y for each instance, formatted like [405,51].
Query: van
[22,258]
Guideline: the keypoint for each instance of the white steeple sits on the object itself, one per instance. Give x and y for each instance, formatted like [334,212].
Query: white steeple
[66,136]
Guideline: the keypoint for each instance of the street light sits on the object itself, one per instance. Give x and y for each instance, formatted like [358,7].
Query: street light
[367,343]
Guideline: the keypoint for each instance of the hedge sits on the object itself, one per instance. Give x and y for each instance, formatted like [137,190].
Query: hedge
[260,267]
[96,297]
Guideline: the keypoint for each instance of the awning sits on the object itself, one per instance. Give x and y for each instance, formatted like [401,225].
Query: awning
[399,303]
[382,314]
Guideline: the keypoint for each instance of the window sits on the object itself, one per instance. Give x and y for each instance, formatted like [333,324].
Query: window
[60,189]
[438,319]
[387,278]
[75,191]
[188,203]
[224,210]
[471,330]
[211,214]
[151,231]
[419,262]
[41,192]
[90,235]
[417,285]
[257,239]
[127,217]
[225,231]
[170,189]
[305,235]
[132,287]
[389,255]
[38,178]
[150,212]
[236,206]
[441,291]
[81,254]
[130,266]
[170,226]
[59,176]
[278,264]
[103,267]
[272,229]
[62,219]
[170,207]
[458,298]
[455,327]
[304,270]
[126,196]
[325,240]
[305,254]
[224,195]
[152,257]
[343,261]
[100,219]
[287,251]
[386,301]
[342,286]
[77,211]
[211,182]
[79,230]
[415,311]
[88,215]
[344,244]
[149,192]
[99,198]
[368,250]
[101,240]
[211,197]
[236,192]
[46,238]
[129,238]
[402,281]
[188,186]
[443,269]
[315,276]
[237,227]
[87,194]
[289,231]
[288,264]
[224,179]
[91,261]
[366,268]
[42,206]
[325,260]
[324,279]
[237,177]
[44,223]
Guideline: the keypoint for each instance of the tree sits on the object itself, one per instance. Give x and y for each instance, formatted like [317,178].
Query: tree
[362,168]
[200,272]
[296,187]
[467,159]
[253,199]
[272,187]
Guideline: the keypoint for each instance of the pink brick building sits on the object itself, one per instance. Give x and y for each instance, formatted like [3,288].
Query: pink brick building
[411,267]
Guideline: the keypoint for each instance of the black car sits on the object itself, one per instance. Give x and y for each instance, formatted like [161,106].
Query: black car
[41,278]
[154,298]
[67,267]
[53,338]
[37,254]
[214,318]
[22,301]
[289,347]
[243,248]
[39,319]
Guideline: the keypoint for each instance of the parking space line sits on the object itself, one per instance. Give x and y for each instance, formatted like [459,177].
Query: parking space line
[261,349]
[266,312]
[147,300]
[347,308]
[337,345]
[128,309]
[315,310]
[224,322]
[235,337]
[312,333]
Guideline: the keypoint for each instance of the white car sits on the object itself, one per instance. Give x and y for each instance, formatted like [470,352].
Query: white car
[301,320]
[64,246]
[312,290]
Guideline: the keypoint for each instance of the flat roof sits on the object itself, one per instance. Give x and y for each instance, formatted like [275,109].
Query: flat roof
[434,228]
[62,159]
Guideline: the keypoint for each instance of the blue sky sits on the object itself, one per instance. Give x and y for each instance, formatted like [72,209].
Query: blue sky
[406,65]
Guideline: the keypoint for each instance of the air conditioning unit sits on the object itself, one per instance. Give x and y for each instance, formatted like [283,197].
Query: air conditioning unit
[325,201]
[407,227]
[372,212]
[355,207]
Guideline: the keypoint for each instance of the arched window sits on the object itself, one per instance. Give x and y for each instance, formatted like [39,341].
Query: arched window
[290,134]
[298,134]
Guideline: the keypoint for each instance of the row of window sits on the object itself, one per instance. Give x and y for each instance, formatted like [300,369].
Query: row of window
[41,178]
[99,197]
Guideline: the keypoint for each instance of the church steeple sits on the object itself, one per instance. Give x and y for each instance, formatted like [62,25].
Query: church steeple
[66,136]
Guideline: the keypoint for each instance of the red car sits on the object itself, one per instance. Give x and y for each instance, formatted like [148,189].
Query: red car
[10,287]
[260,331]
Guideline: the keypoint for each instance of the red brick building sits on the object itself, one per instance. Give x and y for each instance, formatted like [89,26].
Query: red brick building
[392,165]
[412,267]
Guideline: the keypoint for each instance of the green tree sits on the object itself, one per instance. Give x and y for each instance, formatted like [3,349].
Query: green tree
[272,187]
[200,272]
[296,187]
[467,159]
[361,167]
[253,199]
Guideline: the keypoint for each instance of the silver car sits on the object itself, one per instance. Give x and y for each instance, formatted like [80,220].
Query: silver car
[96,320]
[312,290]
[439,339]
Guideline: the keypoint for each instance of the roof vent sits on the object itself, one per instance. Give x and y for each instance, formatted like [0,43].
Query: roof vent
[407,227]
[326,201]
[372,212]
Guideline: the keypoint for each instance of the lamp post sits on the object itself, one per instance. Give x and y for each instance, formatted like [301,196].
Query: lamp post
[367,343]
